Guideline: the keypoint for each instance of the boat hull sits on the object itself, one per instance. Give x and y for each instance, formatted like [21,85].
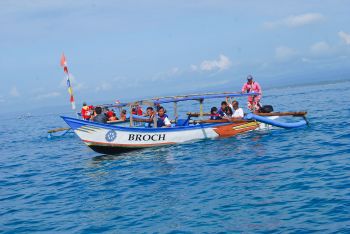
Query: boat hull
[109,139]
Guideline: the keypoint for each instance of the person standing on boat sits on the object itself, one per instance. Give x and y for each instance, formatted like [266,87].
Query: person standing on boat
[252,86]
[163,120]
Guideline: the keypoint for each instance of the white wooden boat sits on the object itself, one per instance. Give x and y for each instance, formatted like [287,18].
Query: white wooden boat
[113,139]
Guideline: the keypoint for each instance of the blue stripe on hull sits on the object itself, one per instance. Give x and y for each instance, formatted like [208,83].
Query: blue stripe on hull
[77,123]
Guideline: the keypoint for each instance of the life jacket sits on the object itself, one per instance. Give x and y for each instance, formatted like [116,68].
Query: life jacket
[109,114]
[85,112]
[215,116]
[149,124]
[160,120]
[139,111]
[253,87]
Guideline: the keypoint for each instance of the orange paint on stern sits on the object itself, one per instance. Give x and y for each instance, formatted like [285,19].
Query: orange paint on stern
[235,128]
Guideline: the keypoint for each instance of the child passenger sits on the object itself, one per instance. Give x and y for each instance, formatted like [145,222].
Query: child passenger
[225,110]
[214,115]
[123,115]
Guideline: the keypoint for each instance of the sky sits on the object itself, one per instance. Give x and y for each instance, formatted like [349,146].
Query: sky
[126,50]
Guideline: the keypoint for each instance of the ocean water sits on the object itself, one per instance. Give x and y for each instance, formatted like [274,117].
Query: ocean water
[269,181]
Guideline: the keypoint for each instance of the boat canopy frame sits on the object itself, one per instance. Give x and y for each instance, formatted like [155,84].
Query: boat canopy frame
[175,99]
[180,98]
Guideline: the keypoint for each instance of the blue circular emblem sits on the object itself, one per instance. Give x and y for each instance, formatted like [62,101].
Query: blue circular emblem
[111,135]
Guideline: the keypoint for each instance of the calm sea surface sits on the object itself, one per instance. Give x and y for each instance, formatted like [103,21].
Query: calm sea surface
[273,181]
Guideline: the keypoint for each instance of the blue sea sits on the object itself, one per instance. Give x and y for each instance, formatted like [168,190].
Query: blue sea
[276,181]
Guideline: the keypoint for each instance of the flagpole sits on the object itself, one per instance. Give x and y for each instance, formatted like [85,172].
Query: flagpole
[69,85]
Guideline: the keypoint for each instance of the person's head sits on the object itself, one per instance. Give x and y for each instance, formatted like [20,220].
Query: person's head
[213,110]
[161,111]
[249,79]
[229,111]
[84,104]
[98,110]
[235,105]
[223,104]
[123,112]
[149,110]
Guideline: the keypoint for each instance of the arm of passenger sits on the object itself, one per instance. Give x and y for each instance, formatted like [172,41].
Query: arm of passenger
[244,88]
[259,90]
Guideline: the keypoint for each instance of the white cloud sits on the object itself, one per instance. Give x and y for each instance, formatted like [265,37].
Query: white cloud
[283,53]
[104,86]
[194,67]
[174,71]
[14,92]
[295,21]
[320,48]
[345,37]
[222,63]
[48,95]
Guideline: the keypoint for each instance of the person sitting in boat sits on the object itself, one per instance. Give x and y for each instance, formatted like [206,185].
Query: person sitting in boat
[109,113]
[85,112]
[123,115]
[163,120]
[99,116]
[252,86]
[150,114]
[214,115]
[225,111]
[113,117]
[238,112]
[137,110]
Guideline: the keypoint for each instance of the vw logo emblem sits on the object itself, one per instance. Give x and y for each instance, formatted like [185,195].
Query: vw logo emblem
[111,135]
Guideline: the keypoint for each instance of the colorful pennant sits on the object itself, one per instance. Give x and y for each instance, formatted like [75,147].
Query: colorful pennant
[70,90]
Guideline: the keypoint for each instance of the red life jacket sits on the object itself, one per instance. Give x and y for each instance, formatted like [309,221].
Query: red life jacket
[85,112]
[109,114]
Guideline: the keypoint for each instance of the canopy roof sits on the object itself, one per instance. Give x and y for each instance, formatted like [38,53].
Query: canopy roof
[181,98]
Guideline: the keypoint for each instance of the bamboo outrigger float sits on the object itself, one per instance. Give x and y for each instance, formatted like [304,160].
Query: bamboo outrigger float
[113,139]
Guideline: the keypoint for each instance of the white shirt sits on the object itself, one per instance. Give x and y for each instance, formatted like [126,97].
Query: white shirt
[167,121]
[238,113]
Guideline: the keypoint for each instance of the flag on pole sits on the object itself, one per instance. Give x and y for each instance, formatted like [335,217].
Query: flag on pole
[70,90]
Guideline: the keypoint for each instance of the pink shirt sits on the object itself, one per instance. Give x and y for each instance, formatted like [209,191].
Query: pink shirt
[254,87]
